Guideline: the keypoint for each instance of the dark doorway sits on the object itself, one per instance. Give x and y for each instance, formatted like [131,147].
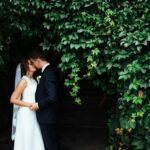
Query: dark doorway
[83,126]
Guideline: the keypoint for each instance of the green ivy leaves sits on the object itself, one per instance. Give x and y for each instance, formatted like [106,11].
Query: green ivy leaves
[104,41]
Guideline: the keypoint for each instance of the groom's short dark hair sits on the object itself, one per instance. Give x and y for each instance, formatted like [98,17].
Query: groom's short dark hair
[38,54]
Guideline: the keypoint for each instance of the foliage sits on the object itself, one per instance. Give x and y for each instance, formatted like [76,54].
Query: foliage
[104,41]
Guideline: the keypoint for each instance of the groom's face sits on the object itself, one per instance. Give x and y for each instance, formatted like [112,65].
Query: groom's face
[36,63]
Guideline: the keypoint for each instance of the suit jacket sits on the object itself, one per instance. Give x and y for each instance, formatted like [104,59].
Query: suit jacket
[47,97]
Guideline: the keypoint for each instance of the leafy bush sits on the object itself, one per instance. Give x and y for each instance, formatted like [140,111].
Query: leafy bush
[104,41]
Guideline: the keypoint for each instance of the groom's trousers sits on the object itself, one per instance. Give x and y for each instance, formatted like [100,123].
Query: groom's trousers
[50,136]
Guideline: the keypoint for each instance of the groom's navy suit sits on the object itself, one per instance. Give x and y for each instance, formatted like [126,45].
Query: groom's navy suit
[47,98]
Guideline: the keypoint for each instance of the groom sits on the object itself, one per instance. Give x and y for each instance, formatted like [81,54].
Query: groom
[47,106]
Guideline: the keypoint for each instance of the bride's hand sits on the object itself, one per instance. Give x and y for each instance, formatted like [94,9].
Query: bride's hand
[30,105]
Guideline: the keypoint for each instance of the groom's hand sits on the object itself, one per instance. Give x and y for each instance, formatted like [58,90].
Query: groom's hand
[34,107]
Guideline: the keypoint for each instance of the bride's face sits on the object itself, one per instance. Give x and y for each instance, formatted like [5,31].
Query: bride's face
[31,67]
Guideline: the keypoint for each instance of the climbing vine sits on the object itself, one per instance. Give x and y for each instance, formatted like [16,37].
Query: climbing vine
[104,41]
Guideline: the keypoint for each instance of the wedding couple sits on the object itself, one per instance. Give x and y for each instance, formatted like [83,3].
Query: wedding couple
[38,106]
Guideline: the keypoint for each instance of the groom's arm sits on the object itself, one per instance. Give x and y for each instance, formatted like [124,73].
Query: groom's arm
[50,86]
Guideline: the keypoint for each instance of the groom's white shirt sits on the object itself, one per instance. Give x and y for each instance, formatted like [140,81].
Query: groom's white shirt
[43,68]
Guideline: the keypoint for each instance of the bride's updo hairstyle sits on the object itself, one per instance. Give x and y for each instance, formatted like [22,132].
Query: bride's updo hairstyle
[24,65]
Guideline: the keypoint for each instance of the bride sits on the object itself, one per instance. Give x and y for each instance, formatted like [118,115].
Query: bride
[28,135]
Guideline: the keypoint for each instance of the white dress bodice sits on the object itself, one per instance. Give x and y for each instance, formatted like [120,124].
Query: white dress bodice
[29,92]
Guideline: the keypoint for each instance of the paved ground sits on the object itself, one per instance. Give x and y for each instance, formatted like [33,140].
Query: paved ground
[73,139]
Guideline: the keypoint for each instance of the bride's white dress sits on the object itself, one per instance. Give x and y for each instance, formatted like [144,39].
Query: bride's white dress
[28,135]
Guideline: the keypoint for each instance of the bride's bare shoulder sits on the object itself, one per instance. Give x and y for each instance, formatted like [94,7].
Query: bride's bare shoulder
[22,82]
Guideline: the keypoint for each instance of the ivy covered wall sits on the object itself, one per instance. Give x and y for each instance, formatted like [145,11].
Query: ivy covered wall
[104,41]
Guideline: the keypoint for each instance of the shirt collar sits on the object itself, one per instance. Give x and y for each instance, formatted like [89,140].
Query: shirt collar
[43,68]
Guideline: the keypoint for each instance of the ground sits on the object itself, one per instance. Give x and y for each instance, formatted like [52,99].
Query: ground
[85,139]
[73,139]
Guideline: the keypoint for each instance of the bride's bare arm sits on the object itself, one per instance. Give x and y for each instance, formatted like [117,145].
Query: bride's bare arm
[17,93]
